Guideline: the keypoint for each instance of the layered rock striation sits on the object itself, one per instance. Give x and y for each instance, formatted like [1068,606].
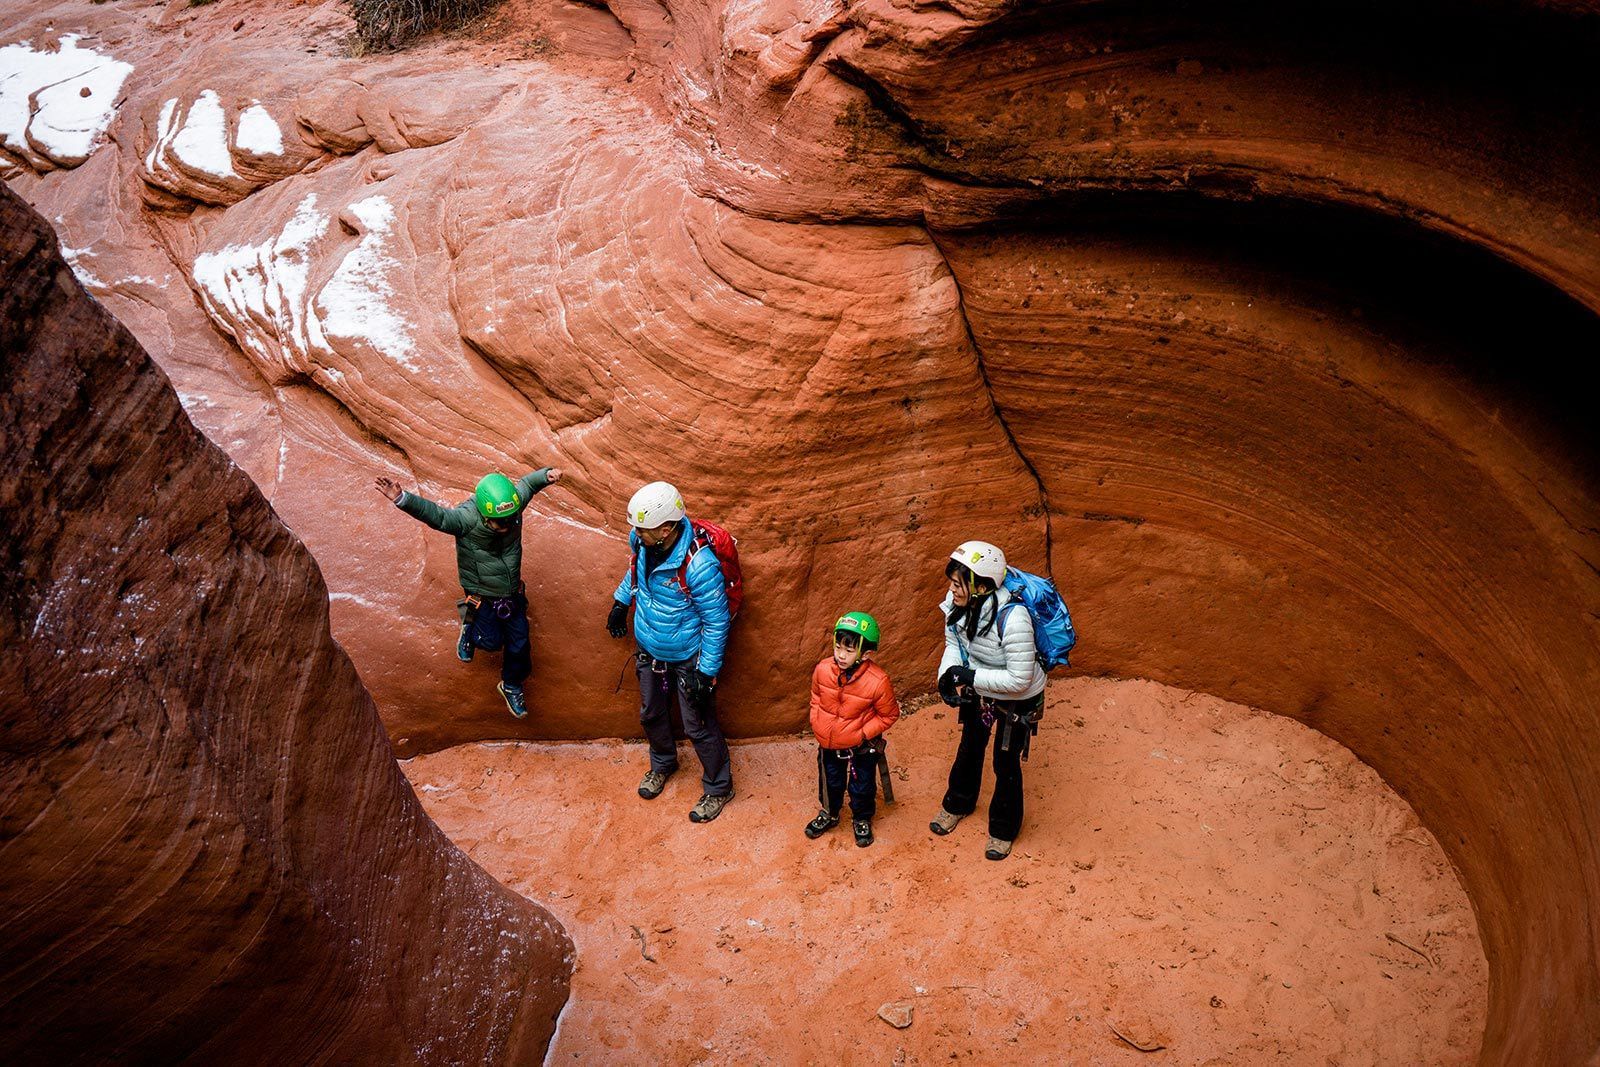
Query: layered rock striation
[1254,328]
[209,853]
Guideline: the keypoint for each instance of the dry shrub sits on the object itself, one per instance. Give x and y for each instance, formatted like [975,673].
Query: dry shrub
[384,25]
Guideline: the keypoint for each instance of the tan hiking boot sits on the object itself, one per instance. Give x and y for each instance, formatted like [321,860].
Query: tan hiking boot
[997,850]
[709,807]
[653,784]
[944,822]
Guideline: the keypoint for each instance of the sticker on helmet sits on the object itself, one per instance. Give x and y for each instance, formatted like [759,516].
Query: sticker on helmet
[505,506]
[977,557]
[641,513]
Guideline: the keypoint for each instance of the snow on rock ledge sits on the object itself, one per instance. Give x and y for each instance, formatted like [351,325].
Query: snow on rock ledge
[55,104]
[218,147]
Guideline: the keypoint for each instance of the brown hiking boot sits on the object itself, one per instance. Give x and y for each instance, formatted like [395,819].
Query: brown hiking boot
[653,784]
[944,822]
[997,850]
[709,807]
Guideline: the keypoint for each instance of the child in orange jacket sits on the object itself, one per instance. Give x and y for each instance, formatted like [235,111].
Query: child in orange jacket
[852,704]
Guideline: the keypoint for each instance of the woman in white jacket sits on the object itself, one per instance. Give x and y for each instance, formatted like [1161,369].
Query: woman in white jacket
[991,672]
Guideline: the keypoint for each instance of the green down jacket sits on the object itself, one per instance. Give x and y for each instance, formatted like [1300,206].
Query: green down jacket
[490,564]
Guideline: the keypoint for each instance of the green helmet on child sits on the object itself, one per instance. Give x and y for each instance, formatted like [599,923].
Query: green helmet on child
[861,624]
[497,498]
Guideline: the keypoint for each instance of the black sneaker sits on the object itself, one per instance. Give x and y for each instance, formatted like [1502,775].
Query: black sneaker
[863,829]
[821,825]
[464,646]
[514,700]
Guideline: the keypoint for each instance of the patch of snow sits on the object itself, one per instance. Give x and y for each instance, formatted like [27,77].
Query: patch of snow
[355,302]
[86,277]
[43,104]
[258,133]
[202,140]
[164,132]
[265,285]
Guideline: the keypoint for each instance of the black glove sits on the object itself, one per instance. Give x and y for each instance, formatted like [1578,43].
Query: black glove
[617,621]
[699,686]
[950,683]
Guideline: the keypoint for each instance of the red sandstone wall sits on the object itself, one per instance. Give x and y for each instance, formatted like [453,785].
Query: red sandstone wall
[207,852]
[993,248]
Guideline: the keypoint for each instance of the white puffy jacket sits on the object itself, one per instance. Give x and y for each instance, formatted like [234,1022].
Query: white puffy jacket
[1003,670]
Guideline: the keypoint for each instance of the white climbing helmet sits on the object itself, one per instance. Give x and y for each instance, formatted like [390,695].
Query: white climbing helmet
[655,504]
[982,559]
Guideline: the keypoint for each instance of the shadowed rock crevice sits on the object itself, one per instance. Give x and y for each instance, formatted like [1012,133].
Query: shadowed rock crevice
[1044,510]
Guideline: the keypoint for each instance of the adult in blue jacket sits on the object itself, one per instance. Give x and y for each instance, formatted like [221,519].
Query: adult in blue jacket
[680,621]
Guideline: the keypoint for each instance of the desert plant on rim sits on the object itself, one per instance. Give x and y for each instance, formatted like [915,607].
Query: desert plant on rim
[388,24]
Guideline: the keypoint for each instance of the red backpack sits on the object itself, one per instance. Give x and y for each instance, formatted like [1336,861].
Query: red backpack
[725,547]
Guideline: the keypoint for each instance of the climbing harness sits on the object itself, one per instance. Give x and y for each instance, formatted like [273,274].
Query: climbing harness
[877,746]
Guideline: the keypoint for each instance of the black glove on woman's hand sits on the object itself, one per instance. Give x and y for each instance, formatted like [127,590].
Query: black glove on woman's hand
[699,686]
[617,621]
[950,683]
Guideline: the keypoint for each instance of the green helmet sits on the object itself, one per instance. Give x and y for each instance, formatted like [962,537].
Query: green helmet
[859,622]
[497,497]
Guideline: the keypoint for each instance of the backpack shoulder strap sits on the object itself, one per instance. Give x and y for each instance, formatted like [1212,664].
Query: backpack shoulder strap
[698,542]
[1000,621]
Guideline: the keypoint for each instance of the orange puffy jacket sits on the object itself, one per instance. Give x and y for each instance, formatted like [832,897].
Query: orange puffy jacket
[844,714]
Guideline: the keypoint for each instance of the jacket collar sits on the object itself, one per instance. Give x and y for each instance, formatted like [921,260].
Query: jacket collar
[680,547]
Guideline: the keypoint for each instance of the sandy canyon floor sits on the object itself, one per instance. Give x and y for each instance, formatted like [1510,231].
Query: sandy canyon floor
[1196,882]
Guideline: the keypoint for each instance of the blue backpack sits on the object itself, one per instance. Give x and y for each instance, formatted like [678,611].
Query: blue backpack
[1053,636]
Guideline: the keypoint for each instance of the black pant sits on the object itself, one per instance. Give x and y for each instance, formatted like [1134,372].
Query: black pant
[966,774]
[854,771]
[658,688]
[488,631]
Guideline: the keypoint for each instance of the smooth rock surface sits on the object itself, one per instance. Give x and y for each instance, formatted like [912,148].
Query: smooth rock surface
[1257,328]
[208,853]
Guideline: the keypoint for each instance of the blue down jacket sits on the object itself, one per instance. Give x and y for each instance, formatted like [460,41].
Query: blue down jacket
[669,622]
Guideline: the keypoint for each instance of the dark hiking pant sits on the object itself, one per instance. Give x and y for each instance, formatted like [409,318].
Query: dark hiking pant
[662,683]
[966,774]
[852,770]
[503,624]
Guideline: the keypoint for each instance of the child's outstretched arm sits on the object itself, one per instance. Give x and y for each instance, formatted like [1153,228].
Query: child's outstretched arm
[453,521]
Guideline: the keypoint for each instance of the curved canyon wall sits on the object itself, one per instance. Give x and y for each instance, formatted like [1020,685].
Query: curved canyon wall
[1259,329]
[209,853]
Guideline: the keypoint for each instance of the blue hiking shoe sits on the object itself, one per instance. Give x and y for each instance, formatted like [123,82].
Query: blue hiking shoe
[514,701]
[464,646]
